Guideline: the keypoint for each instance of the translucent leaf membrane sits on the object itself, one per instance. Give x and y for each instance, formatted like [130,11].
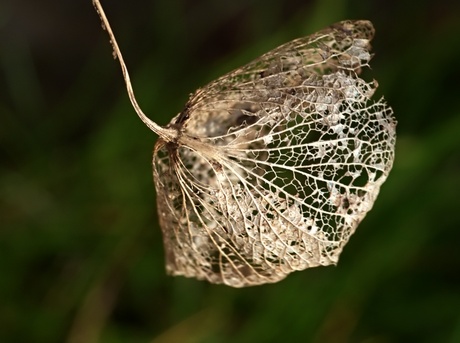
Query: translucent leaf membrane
[276,163]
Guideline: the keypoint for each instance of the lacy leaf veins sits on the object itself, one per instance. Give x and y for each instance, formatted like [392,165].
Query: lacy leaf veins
[270,168]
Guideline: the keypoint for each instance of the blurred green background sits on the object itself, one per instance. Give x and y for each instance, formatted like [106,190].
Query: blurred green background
[81,256]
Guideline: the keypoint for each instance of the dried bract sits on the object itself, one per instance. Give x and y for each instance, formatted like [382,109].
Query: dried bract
[276,163]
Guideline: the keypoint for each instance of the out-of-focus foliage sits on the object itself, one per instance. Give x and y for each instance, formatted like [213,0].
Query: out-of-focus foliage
[81,256]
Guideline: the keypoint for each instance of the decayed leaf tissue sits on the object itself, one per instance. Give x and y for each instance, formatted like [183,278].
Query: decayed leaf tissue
[270,168]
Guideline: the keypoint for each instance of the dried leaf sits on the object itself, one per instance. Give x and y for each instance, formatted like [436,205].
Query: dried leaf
[270,168]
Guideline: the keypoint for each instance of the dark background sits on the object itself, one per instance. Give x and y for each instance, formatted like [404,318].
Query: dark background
[81,256]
